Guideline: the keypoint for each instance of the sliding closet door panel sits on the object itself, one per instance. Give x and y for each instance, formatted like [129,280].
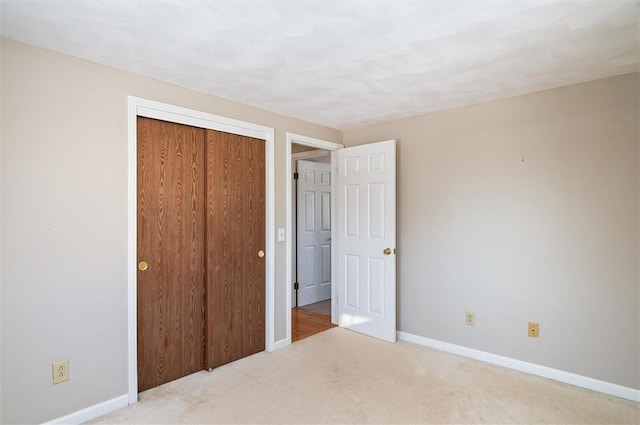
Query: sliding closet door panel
[254,273]
[171,247]
[235,231]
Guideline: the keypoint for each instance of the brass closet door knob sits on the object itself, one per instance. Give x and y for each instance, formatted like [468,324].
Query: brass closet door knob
[143,265]
[261,253]
[387,251]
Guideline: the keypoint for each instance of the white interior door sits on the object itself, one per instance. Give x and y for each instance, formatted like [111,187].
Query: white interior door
[366,239]
[314,232]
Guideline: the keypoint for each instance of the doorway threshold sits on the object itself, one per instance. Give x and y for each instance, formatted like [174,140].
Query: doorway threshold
[305,323]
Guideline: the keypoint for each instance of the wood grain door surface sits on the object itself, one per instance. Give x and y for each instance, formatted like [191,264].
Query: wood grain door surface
[235,235]
[171,240]
[200,226]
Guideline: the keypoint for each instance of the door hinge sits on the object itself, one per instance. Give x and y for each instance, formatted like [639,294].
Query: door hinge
[295,176]
[296,285]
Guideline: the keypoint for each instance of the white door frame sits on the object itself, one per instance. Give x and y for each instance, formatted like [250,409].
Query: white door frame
[319,144]
[176,114]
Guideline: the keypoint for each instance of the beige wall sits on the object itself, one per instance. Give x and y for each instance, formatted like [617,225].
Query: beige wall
[553,238]
[64,224]
[525,209]
[1,236]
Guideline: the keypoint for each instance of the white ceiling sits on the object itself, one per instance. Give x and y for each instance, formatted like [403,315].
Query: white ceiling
[344,64]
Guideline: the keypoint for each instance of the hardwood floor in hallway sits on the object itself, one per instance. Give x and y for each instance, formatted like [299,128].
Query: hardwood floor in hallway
[306,323]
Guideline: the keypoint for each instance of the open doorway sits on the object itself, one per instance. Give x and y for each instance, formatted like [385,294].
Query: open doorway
[310,259]
[311,245]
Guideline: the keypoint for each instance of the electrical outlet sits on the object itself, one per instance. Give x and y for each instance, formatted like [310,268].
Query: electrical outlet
[534,329]
[470,318]
[60,371]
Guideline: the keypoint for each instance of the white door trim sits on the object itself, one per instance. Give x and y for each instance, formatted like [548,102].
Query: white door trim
[176,114]
[319,144]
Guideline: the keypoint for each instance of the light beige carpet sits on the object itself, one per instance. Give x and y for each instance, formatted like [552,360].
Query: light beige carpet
[340,376]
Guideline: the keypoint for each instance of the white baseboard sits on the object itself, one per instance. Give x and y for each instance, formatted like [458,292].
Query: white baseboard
[534,369]
[92,412]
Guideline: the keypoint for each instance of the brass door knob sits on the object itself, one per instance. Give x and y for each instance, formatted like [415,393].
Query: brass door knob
[387,251]
[143,265]
[261,253]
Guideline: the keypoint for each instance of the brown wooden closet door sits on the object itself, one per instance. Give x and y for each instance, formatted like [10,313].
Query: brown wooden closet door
[171,240]
[235,235]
